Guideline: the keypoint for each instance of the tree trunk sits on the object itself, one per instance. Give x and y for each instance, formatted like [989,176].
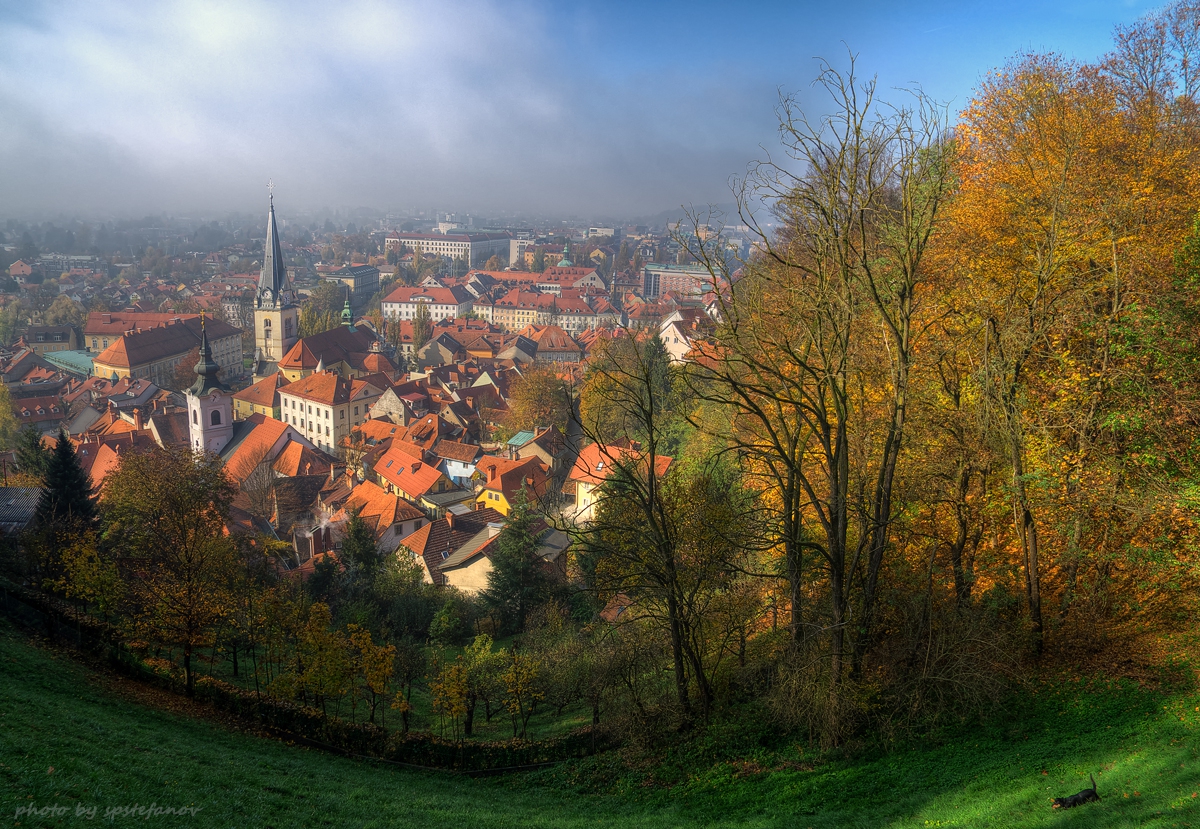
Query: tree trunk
[188,681]
[1027,527]
[469,719]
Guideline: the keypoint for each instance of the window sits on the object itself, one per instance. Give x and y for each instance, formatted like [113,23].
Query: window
[356,411]
[326,431]
[301,423]
[195,418]
[216,418]
[342,412]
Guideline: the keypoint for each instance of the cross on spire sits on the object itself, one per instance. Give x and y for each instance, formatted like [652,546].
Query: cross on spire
[271,190]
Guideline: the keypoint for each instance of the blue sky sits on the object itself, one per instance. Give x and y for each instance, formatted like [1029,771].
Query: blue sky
[591,108]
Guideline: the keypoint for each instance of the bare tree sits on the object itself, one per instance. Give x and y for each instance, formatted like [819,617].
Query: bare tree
[816,346]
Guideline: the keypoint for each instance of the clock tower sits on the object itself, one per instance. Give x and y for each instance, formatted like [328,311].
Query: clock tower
[276,317]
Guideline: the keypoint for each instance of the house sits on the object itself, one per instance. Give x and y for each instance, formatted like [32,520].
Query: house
[504,480]
[325,406]
[44,339]
[45,414]
[260,441]
[593,466]
[353,351]
[683,329]
[389,516]
[260,398]
[18,507]
[155,353]
[457,460]
[442,303]
[553,344]
[435,542]
[468,567]
[548,444]
[403,471]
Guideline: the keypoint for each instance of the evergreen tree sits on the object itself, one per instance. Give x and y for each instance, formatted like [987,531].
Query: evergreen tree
[518,581]
[32,457]
[358,547]
[67,496]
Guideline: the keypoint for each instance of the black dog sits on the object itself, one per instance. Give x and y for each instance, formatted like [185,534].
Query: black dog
[1071,801]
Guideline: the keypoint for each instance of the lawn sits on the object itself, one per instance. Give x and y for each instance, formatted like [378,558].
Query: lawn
[74,739]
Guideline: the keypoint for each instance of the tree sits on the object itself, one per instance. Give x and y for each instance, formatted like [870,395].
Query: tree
[65,311]
[422,326]
[8,418]
[831,300]
[539,261]
[358,546]
[165,511]
[375,664]
[607,405]
[521,692]
[67,499]
[314,321]
[518,581]
[185,371]
[539,397]
[31,455]
[495,263]
[10,321]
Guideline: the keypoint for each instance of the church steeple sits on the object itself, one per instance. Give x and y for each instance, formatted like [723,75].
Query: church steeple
[207,368]
[273,279]
[210,406]
[347,313]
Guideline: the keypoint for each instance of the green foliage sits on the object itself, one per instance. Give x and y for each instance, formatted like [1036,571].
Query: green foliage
[65,311]
[422,326]
[8,419]
[67,498]
[630,390]
[518,581]
[31,454]
[10,321]
[358,546]
[448,626]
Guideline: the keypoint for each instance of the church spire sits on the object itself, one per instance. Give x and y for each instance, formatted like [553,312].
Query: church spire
[207,368]
[272,280]
[347,313]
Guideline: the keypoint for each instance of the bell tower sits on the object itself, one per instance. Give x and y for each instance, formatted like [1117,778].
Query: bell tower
[210,406]
[276,317]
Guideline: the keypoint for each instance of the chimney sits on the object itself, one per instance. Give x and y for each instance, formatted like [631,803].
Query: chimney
[137,418]
[450,519]
[491,473]
[416,465]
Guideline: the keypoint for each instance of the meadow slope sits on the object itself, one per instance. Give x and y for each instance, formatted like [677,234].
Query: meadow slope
[71,738]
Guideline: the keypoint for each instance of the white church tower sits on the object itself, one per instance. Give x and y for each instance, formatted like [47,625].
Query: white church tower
[210,406]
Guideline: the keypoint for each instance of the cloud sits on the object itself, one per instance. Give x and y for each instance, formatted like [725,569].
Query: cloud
[476,105]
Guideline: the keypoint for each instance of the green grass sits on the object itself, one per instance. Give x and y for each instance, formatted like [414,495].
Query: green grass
[107,750]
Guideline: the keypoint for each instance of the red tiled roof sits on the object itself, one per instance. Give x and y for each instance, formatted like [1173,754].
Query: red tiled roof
[265,392]
[410,475]
[596,462]
[510,477]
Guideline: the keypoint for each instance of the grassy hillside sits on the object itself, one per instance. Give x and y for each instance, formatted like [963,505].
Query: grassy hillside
[73,739]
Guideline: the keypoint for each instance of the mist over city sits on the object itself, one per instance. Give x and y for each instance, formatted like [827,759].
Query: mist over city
[529,413]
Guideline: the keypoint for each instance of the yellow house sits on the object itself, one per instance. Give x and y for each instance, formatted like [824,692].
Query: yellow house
[505,479]
[261,398]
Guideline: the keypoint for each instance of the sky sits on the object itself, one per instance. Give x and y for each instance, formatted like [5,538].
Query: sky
[587,109]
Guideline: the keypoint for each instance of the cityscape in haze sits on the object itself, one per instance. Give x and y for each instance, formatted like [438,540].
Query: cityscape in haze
[495,413]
